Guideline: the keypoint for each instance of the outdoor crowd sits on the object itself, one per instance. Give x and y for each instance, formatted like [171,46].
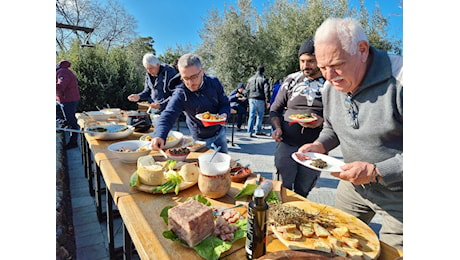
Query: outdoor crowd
[353,89]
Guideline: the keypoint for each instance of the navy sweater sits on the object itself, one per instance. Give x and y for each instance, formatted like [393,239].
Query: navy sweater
[209,97]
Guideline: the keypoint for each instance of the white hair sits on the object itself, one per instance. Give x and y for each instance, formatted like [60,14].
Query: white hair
[149,58]
[347,31]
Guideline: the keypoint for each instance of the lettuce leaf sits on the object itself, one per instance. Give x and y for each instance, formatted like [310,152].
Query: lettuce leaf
[247,190]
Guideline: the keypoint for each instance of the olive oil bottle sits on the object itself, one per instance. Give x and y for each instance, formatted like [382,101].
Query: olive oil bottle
[256,238]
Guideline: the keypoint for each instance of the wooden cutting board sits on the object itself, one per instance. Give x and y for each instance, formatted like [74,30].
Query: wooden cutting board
[369,243]
[299,255]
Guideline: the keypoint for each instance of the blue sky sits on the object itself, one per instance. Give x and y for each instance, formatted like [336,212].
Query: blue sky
[178,22]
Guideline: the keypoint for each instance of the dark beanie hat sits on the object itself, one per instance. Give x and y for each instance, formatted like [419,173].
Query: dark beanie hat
[240,85]
[307,47]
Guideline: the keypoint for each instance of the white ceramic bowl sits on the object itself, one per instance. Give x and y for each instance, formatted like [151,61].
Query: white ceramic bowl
[177,157]
[113,132]
[173,136]
[100,115]
[133,145]
[220,164]
[115,111]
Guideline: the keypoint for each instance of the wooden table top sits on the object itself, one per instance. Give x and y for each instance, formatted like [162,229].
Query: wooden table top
[140,210]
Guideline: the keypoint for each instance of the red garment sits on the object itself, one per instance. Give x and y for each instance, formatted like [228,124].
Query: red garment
[66,83]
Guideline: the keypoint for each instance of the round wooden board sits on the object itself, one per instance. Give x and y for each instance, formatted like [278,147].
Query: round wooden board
[148,188]
[299,255]
[369,243]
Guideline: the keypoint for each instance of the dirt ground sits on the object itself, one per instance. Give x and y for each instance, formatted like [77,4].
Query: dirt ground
[65,239]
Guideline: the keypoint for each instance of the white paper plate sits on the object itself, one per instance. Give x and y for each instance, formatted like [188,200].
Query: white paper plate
[333,164]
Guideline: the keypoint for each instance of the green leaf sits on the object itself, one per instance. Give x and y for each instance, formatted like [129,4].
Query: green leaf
[212,247]
[134,180]
[272,197]
[202,199]
[164,213]
[248,190]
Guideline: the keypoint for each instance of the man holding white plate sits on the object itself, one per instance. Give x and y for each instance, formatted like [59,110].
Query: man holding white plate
[198,93]
[363,113]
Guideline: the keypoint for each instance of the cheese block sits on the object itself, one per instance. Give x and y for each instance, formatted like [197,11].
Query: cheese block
[189,172]
[149,171]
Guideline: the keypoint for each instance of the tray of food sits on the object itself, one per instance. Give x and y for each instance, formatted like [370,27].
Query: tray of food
[304,225]
[163,177]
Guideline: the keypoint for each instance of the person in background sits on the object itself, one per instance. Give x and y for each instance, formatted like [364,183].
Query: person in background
[68,95]
[157,88]
[198,93]
[363,113]
[300,93]
[276,87]
[239,102]
[259,97]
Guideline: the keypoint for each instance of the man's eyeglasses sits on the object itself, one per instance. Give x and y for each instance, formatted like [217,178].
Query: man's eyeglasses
[352,112]
[192,78]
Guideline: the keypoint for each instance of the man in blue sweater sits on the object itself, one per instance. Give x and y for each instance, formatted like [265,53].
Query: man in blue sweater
[198,93]
[363,112]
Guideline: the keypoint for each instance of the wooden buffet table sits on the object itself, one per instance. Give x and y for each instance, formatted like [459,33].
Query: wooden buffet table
[140,211]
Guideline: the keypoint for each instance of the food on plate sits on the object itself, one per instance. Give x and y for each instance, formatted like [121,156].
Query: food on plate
[208,116]
[147,138]
[126,150]
[191,222]
[340,232]
[322,246]
[302,157]
[149,171]
[179,151]
[307,229]
[318,163]
[294,224]
[190,172]
[301,116]
[320,231]
[99,129]
[223,229]
[195,145]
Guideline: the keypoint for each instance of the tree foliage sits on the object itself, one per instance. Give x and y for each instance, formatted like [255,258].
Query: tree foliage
[112,25]
[235,43]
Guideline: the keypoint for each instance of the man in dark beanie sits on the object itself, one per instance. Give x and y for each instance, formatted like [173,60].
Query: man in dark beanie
[300,93]
[259,98]
[239,102]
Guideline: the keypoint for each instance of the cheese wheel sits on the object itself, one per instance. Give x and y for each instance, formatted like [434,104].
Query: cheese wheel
[149,171]
[190,172]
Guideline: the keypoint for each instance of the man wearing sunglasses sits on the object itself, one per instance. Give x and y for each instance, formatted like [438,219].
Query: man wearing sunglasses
[198,93]
[363,113]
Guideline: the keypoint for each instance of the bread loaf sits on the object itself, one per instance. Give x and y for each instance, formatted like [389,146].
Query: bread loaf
[149,171]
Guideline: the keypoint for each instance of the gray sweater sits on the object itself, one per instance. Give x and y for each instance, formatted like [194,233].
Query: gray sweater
[379,138]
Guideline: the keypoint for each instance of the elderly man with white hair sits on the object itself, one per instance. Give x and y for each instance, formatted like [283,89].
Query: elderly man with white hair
[157,88]
[363,113]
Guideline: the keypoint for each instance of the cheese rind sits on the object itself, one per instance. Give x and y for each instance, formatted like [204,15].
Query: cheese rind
[149,171]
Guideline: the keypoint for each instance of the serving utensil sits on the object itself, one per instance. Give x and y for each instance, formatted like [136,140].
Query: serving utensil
[219,212]
[163,153]
[215,152]
[245,167]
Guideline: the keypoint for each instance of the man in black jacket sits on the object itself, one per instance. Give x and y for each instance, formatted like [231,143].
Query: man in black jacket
[259,98]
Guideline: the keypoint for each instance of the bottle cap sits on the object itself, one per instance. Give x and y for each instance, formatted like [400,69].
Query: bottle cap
[259,193]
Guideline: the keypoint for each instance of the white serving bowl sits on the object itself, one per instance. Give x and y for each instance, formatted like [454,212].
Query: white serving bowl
[100,115]
[133,145]
[113,132]
[115,111]
[220,164]
[174,136]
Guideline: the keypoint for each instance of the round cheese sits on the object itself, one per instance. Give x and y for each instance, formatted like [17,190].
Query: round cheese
[149,171]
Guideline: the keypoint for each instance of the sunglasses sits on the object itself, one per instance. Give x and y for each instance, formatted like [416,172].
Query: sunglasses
[352,110]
